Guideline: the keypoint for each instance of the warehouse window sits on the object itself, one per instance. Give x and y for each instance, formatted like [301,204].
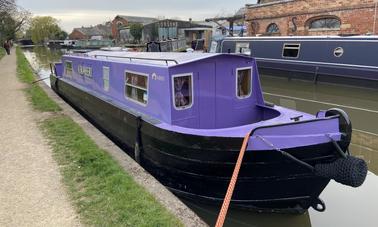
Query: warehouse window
[324,23]
[272,28]
[136,86]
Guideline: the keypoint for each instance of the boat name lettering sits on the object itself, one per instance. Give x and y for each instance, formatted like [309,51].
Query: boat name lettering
[85,70]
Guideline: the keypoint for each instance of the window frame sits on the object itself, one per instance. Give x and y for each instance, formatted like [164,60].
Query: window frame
[125,84]
[173,90]
[283,50]
[270,25]
[243,48]
[65,68]
[236,82]
[335,51]
[103,80]
[311,21]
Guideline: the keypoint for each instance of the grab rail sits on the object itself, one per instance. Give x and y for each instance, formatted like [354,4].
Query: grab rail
[138,58]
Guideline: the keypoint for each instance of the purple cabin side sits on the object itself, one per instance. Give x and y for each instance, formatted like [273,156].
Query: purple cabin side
[216,102]
[224,90]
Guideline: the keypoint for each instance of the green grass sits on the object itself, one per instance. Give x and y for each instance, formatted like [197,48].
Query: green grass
[2,53]
[37,96]
[102,192]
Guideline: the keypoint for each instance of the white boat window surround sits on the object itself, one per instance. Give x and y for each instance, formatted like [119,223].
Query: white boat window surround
[105,77]
[338,52]
[68,69]
[243,82]
[182,91]
[243,48]
[291,50]
[136,87]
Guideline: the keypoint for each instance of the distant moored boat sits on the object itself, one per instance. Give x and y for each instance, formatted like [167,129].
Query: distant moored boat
[336,59]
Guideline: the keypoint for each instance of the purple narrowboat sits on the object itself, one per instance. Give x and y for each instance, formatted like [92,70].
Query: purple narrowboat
[183,117]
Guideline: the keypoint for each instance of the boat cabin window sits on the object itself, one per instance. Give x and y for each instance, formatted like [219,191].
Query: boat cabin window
[291,50]
[136,86]
[68,68]
[105,77]
[243,82]
[242,48]
[182,91]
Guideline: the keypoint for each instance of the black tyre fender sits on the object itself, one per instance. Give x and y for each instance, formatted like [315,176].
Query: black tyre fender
[137,152]
[345,126]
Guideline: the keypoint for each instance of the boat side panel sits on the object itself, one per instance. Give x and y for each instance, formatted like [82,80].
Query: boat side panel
[158,106]
[201,166]
[219,104]
[316,56]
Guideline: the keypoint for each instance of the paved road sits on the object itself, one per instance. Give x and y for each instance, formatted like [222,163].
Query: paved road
[31,191]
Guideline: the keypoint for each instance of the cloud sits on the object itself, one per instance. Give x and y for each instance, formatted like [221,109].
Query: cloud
[74,13]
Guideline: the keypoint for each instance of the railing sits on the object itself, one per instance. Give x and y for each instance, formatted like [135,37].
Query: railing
[138,58]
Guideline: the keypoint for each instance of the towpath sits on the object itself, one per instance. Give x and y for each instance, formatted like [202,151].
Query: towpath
[31,191]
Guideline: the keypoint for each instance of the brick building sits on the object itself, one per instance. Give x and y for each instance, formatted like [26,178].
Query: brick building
[121,22]
[100,31]
[312,17]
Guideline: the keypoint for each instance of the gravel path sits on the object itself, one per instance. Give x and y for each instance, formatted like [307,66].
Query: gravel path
[31,191]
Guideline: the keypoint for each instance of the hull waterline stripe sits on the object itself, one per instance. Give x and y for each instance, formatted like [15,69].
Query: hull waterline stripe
[316,62]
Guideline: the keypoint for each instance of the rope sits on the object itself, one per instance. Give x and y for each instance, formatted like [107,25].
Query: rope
[227,199]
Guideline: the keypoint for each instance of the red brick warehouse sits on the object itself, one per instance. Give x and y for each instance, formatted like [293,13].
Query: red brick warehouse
[312,17]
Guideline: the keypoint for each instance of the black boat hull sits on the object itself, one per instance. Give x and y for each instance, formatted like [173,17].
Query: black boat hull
[199,168]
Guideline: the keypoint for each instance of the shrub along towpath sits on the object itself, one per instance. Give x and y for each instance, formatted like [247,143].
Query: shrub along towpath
[102,192]
[31,191]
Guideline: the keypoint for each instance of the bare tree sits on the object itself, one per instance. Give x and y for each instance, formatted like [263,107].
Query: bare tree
[12,18]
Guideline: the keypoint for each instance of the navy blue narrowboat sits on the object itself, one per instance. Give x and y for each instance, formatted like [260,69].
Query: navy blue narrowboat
[346,60]
[183,117]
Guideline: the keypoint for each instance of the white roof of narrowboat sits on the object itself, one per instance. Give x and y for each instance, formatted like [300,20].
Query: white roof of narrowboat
[159,58]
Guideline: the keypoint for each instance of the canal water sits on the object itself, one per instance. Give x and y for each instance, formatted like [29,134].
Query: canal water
[347,207]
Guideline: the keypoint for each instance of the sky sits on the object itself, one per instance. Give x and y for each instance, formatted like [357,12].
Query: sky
[77,13]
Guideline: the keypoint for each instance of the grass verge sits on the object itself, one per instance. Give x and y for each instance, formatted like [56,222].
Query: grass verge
[102,192]
[2,52]
[36,95]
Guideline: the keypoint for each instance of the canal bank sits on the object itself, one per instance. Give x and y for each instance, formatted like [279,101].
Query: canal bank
[31,191]
[102,192]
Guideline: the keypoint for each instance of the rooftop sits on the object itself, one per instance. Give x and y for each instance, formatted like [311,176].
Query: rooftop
[135,19]
[102,30]
[152,58]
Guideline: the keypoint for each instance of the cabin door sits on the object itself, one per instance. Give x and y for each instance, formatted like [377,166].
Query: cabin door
[206,95]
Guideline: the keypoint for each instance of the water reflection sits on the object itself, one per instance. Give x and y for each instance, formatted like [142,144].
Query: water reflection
[348,207]
[40,58]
